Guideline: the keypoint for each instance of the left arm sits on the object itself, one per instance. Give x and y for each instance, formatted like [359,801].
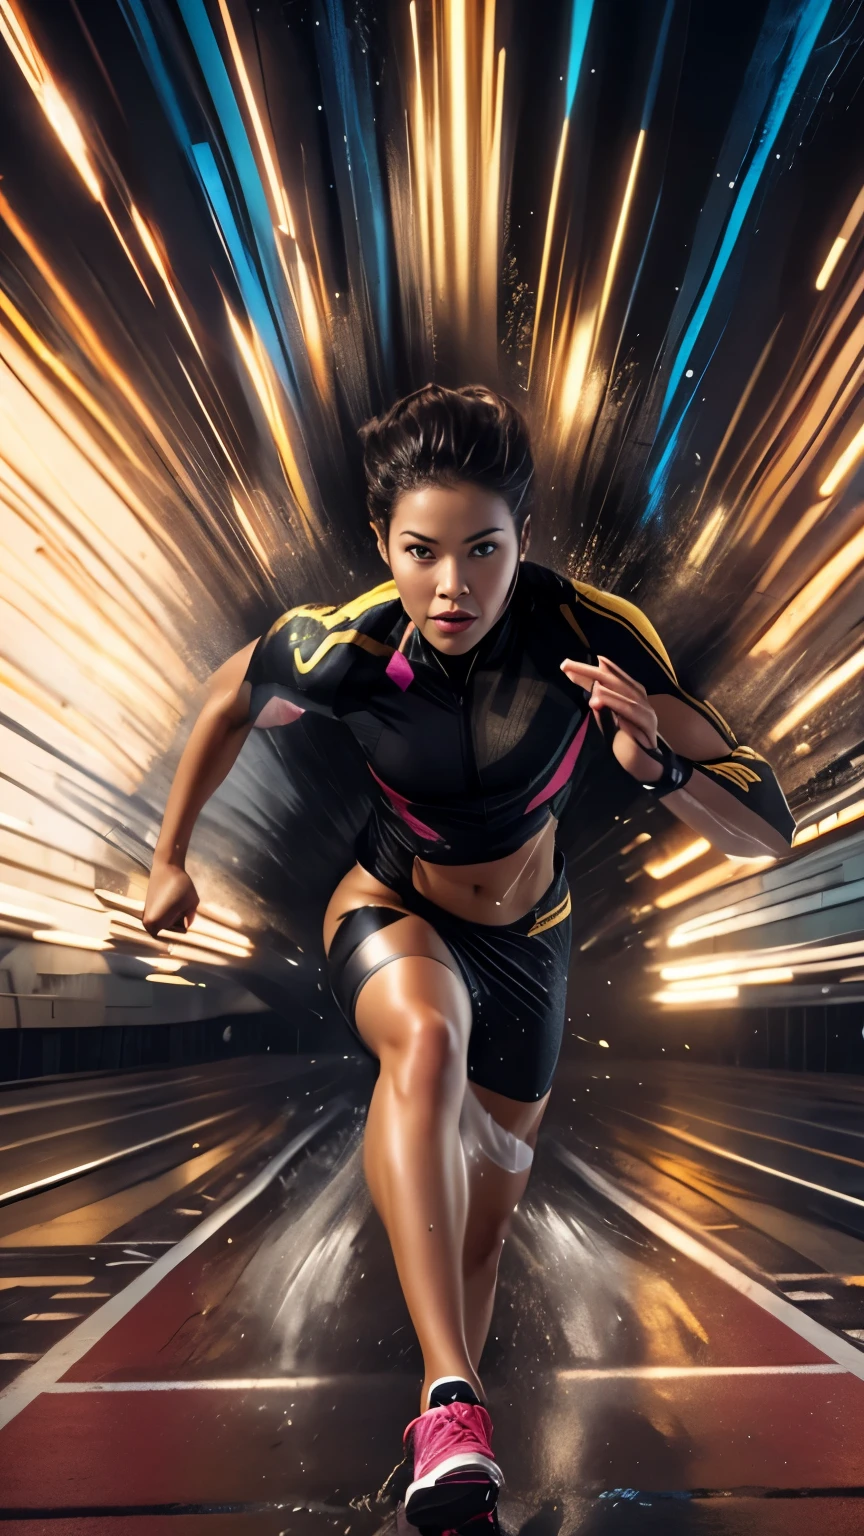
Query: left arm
[732,796]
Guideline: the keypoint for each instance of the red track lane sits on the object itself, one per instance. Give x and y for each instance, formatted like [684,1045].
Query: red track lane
[88,1450]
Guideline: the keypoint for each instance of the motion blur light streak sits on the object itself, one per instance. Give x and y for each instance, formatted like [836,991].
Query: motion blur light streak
[718,875]
[816,696]
[695,995]
[660,869]
[612,213]
[840,244]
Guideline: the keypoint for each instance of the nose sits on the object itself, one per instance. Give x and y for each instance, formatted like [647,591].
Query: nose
[452,582]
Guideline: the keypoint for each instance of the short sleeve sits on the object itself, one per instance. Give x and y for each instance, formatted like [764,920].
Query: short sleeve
[614,627]
[319,658]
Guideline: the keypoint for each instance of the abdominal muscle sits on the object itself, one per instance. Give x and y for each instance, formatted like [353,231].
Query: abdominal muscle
[493,894]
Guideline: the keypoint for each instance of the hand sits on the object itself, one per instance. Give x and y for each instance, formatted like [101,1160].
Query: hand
[609,687]
[171,900]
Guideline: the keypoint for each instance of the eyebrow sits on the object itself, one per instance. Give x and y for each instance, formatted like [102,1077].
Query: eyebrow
[472,538]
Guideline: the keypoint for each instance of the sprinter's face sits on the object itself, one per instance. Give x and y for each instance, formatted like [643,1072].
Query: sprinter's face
[453,551]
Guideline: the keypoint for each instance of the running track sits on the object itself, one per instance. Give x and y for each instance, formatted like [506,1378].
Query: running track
[202,1332]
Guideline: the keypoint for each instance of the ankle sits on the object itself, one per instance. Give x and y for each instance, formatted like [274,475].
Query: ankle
[450,1386]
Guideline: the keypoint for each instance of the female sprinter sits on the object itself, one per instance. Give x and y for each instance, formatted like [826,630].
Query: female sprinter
[478,685]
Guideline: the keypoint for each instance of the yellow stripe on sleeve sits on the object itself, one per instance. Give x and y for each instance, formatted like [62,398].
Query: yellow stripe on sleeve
[328,616]
[635,622]
[344,637]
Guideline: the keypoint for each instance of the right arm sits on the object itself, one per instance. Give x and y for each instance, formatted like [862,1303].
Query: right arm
[211,751]
[300,664]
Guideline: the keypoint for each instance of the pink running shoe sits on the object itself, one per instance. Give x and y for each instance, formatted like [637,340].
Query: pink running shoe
[455,1477]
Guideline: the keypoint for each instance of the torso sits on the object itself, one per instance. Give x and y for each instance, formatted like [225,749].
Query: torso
[493,894]
[471,772]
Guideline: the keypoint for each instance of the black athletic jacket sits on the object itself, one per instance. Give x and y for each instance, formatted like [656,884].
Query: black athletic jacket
[471,754]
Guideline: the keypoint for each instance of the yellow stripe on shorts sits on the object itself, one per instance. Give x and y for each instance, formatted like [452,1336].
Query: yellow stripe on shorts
[552,918]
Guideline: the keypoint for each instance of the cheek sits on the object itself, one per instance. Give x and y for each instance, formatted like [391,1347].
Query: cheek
[414,580]
[492,577]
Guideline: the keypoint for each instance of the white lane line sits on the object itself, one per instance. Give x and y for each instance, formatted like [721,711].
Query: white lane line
[854,1333]
[104,1093]
[773,1114]
[780,1141]
[822,1275]
[808,1328]
[129,1114]
[237,1079]
[682,1372]
[16,1355]
[808,1296]
[43,1376]
[578,1373]
[224,1384]
[110,1157]
[735,1157]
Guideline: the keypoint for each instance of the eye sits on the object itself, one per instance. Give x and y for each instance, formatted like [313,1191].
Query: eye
[420,551]
[484,550]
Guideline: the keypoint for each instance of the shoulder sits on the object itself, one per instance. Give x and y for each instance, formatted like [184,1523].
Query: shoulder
[363,615]
[601,620]
[317,648]
[613,617]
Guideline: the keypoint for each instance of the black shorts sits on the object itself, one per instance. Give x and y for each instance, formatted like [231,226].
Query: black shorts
[516,977]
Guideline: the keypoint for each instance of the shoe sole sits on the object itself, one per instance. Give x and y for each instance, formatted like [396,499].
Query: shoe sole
[444,1499]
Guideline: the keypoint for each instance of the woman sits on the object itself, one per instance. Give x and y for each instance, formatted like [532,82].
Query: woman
[471,680]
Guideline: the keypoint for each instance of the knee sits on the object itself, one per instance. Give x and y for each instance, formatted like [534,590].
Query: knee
[430,1058]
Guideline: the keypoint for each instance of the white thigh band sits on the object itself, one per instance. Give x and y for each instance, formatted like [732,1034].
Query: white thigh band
[480,1133]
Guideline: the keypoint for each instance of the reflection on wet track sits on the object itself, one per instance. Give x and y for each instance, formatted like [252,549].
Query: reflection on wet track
[202,1328]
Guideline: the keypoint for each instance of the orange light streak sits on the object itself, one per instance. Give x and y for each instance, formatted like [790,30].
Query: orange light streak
[547,239]
[814,697]
[811,598]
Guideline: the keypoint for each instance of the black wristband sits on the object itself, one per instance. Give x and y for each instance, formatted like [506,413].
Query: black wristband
[676,770]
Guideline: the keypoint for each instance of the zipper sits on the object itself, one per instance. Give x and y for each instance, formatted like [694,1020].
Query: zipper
[469,757]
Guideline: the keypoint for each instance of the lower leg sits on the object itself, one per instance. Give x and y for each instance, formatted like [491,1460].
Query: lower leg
[479,1283]
[494,1192]
[415,1169]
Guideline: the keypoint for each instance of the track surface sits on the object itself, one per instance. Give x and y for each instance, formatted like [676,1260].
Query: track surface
[202,1330]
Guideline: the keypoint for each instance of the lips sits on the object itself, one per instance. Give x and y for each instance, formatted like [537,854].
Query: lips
[453,623]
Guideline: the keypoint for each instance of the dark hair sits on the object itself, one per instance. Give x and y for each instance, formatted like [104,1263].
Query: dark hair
[439,436]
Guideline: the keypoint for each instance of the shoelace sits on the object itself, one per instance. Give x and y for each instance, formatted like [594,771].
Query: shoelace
[451,1425]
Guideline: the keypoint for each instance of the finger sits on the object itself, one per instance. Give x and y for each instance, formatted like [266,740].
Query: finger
[584,674]
[174,921]
[582,667]
[639,717]
[612,666]
[610,670]
[615,698]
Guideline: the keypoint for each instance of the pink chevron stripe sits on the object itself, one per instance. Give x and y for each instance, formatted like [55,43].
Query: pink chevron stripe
[563,771]
[400,806]
[400,671]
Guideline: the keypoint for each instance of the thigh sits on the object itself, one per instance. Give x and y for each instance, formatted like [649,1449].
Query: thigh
[413,976]
[356,889]
[418,988]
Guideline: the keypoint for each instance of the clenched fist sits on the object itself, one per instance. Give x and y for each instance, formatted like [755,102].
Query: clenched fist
[171,900]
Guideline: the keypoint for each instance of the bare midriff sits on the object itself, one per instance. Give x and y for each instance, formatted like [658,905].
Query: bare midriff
[493,894]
